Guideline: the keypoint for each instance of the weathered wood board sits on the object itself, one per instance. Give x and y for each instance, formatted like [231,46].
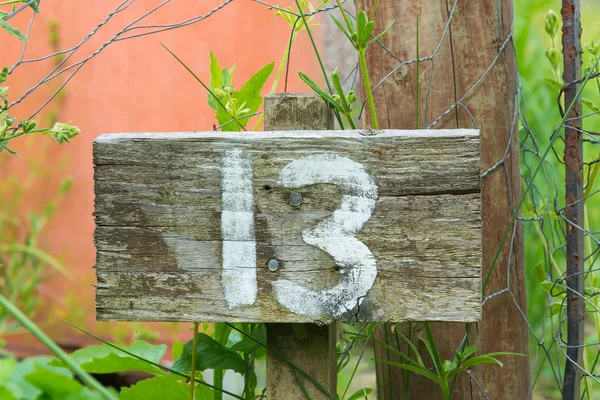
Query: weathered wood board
[388,229]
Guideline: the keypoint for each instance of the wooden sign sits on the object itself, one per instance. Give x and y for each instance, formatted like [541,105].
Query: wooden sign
[303,226]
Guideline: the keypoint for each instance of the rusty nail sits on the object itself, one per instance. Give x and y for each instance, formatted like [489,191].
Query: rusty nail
[273,265]
[295,199]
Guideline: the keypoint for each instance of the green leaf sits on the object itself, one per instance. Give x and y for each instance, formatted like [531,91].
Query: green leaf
[590,104]
[432,347]
[556,85]
[177,349]
[326,96]
[54,384]
[10,391]
[361,27]
[412,346]
[362,393]
[27,367]
[209,355]
[344,31]
[471,362]
[12,30]
[467,352]
[103,359]
[337,84]
[216,75]
[412,368]
[376,38]
[246,344]
[166,387]
[7,365]
[216,80]
[86,394]
[250,94]
[539,274]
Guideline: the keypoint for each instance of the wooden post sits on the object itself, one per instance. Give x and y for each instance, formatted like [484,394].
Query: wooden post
[575,255]
[479,31]
[308,346]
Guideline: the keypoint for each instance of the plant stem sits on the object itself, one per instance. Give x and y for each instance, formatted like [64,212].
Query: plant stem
[350,121]
[282,64]
[193,371]
[365,73]
[314,45]
[28,324]
[218,384]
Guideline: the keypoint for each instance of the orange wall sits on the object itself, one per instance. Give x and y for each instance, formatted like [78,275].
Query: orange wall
[132,86]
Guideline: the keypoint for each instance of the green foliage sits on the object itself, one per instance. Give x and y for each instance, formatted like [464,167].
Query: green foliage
[239,105]
[34,378]
[103,359]
[360,36]
[443,373]
[166,387]
[341,101]
[210,355]
[11,30]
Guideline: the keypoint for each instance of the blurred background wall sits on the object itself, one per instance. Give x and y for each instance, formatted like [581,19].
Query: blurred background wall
[131,86]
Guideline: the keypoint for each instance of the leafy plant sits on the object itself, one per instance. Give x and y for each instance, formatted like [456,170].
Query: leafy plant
[61,132]
[360,38]
[443,373]
[234,108]
[341,101]
[11,30]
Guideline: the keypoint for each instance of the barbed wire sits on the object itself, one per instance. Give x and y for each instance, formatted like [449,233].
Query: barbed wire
[541,211]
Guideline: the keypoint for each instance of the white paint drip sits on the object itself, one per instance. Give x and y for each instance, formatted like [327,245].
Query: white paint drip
[238,278]
[334,235]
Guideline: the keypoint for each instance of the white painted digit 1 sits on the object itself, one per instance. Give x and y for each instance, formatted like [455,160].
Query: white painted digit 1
[334,235]
[238,277]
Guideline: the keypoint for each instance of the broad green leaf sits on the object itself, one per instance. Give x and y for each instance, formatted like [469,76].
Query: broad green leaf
[222,333]
[103,359]
[210,354]
[10,391]
[556,85]
[166,387]
[216,80]
[12,30]
[177,349]
[54,384]
[468,351]
[216,75]
[250,94]
[7,365]
[590,104]
[27,367]
[86,394]
[361,394]
[246,344]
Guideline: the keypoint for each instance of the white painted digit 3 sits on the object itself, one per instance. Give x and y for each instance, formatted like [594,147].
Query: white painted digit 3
[334,235]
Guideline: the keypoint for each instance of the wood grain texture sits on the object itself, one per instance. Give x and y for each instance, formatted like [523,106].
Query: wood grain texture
[467,39]
[159,241]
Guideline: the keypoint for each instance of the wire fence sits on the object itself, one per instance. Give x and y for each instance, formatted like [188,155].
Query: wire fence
[542,210]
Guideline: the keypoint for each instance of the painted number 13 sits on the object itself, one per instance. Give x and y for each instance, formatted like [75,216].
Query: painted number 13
[335,234]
